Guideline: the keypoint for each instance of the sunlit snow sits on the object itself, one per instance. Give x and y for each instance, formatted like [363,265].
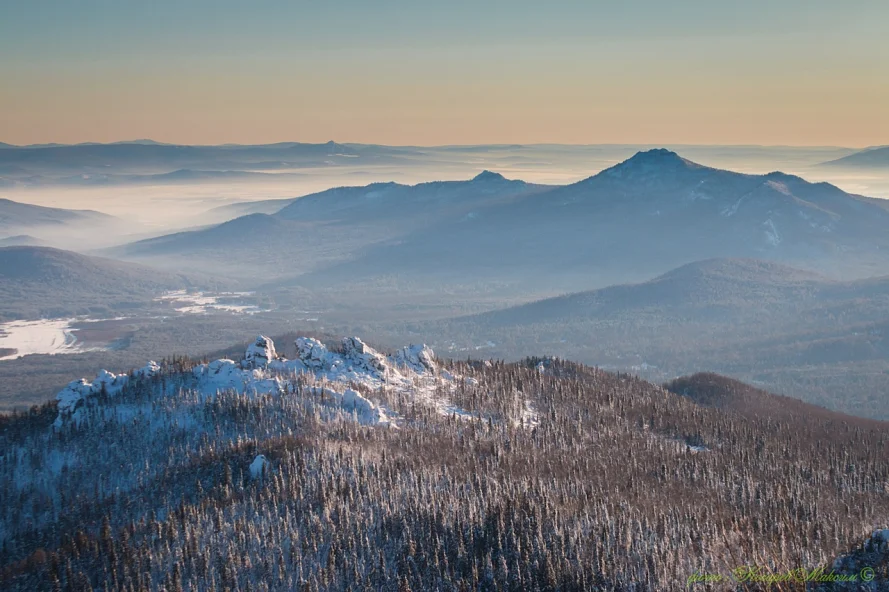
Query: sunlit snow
[333,378]
[46,336]
[203,302]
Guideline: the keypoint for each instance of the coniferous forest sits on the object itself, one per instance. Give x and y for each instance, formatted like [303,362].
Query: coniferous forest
[540,475]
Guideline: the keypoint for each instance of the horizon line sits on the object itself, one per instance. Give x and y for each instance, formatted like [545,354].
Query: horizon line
[149,141]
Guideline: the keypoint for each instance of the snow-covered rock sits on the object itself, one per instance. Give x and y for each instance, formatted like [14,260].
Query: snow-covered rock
[257,467]
[419,358]
[312,353]
[220,375]
[366,411]
[260,353]
[73,397]
[148,370]
[70,401]
[111,383]
[225,375]
[263,372]
[362,357]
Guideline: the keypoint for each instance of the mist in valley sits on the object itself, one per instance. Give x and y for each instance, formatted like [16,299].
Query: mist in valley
[408,255]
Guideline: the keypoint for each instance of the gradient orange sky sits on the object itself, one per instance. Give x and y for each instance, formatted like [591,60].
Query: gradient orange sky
[781,72]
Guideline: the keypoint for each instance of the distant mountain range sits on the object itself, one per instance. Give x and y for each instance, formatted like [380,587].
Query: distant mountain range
[157,163]
[153,162]
[875,158]
[331,226]
[380,200]
[648,214]
[173,177]
[644,216]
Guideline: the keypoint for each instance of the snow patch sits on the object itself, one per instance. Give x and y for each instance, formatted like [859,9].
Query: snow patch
[203,302]
[772,236]
[733,209]
[779,187]
[258,467]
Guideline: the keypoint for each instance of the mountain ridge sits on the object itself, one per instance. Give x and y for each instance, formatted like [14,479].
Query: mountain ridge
[612,228]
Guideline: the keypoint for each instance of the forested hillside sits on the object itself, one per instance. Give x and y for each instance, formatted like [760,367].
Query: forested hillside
[348,469]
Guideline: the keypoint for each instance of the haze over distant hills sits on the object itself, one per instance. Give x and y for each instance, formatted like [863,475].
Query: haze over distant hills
[75,229]
[148,161]
[21,240]
[796,332]
[396,256]
[644,216]
[17,216]
[326,227]
[876,158]
[38,282]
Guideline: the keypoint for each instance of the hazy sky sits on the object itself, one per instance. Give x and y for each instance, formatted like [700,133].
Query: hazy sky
[806,72]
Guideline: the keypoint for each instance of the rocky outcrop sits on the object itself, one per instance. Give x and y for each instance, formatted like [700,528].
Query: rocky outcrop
[419,358]
[260,353]
[263,371]
[312,353]
[362,357]
[72,399]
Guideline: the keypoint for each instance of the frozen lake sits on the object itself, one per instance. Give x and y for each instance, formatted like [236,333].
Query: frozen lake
[46,336]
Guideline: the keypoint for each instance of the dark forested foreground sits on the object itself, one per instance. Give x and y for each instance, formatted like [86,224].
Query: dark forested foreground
[543,475]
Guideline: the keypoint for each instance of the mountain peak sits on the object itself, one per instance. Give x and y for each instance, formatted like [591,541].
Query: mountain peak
[657,157]
[487,175]
[650,163]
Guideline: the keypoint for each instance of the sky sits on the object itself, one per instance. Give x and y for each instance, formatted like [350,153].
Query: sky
[774,72]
